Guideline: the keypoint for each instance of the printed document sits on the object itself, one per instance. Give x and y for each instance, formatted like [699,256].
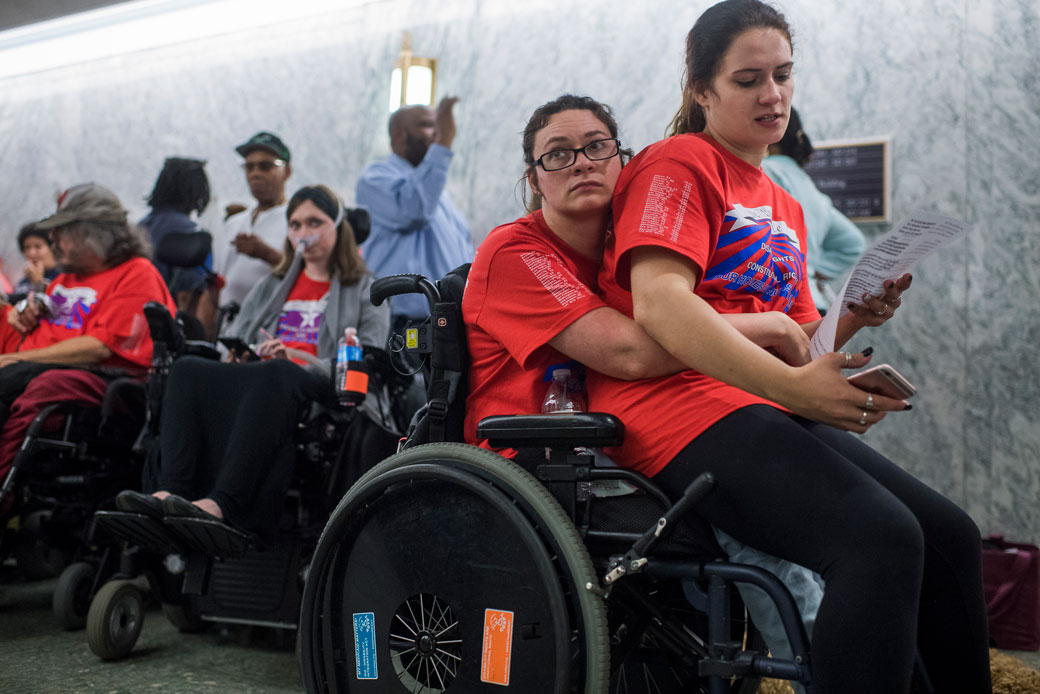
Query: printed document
[894,254]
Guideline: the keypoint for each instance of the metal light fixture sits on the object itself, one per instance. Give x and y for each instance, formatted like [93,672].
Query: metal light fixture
[414,79]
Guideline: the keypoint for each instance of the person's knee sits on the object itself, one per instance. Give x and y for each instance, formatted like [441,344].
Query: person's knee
[888,544]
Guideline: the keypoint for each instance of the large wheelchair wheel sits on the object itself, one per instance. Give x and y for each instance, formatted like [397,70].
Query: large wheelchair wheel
[449,568]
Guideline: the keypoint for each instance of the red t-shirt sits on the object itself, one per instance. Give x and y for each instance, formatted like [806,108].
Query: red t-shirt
[747,237]
[302,313]
[108,306]
[524,288]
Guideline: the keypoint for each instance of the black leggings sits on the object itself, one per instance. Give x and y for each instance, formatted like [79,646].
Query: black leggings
[226,433]
[902,564]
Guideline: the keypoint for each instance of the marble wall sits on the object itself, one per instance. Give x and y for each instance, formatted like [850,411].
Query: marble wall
[955,85]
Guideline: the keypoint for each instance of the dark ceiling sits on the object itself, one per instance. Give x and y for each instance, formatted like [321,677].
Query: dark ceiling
[15,13]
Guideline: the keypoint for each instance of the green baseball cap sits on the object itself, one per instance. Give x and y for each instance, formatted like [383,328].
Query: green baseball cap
[265,140]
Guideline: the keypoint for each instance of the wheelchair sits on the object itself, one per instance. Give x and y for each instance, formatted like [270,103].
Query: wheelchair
[73,462]
[449,568]
[204,572]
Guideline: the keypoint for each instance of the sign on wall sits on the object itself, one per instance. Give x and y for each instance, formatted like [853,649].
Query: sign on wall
[856,174]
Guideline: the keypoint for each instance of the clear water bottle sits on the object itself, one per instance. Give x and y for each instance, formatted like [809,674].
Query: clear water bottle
[351,377]
[564,395]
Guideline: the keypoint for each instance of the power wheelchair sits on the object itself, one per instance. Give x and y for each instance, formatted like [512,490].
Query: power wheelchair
[449,568]
[206,572]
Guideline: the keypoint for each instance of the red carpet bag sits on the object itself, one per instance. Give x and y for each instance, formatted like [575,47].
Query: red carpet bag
[1011,584]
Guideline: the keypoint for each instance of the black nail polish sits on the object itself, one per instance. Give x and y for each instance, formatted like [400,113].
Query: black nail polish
[867,352]
[851,305]
[908,407]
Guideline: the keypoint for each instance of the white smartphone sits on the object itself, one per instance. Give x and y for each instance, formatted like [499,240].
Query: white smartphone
[884,380]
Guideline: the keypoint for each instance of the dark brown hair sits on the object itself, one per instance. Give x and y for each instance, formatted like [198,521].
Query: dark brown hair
[706,45]
[540,118]
[345,261]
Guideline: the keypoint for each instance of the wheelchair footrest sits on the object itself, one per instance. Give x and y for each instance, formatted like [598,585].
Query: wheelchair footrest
[148,533]
[210,537]
[552,430]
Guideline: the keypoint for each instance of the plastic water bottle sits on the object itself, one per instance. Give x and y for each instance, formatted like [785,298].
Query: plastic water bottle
[351,377]
[564,395]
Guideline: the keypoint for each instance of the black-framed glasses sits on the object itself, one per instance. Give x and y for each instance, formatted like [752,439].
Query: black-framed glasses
[264,166]
[594,151]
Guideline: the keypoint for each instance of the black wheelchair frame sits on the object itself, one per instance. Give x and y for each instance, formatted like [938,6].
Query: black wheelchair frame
[628,590]
[204,571]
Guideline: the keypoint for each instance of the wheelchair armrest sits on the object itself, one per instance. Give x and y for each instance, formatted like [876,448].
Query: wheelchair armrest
[201,348]
[552,430]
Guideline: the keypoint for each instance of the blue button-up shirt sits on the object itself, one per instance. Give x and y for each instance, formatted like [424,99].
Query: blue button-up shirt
[416,227]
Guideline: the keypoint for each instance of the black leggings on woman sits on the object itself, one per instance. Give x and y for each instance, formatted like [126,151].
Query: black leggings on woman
[902,564]
[227,434]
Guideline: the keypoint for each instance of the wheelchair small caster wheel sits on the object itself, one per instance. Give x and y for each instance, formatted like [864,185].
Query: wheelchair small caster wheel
[182,617]
[37,558]
[115,619]
[71,599]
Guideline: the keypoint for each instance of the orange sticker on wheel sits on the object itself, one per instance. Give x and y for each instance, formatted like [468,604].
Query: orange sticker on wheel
[498,647]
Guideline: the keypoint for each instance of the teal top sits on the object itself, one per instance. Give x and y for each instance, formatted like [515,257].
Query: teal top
[834,242]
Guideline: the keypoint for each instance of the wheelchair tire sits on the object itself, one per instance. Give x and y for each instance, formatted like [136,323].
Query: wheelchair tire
[37,558]
[449,539]
[115,619]
[71,599]
[182,617]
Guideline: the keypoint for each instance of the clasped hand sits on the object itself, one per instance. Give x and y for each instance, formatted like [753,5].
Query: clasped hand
[272,349]
[26,320]
[878,308]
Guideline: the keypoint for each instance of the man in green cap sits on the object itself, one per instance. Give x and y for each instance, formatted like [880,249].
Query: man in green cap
[258,233]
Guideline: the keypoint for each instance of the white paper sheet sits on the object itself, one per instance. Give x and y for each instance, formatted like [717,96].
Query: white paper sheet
[894,254]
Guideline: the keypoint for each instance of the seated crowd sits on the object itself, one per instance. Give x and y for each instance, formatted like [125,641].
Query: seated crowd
[619,261]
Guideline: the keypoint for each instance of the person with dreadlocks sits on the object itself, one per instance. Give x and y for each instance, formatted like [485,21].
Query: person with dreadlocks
[181,188]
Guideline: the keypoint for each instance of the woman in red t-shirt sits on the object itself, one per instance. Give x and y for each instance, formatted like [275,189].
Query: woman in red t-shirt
[704,242]
[226,433]
[528,305]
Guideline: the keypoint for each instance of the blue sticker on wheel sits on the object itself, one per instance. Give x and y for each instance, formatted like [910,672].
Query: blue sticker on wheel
[365,645]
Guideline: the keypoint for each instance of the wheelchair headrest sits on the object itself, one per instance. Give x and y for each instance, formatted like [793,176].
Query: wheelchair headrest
[184,248]
[360,222]
[163,327]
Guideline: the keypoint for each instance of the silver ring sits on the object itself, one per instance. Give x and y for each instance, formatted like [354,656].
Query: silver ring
[870,402]
[880,313]
[863,419]
[848,358]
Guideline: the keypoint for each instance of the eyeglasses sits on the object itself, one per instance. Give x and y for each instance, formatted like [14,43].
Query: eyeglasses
[264,166]
[594,151]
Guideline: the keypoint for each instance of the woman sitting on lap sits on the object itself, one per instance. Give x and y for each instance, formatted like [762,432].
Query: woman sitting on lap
[705,242]
[226,430]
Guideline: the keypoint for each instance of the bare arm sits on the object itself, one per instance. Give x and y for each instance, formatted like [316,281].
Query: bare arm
[76,351]
[666,306]
[609,342]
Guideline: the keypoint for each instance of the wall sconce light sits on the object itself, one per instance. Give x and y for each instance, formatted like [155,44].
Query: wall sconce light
[414,79]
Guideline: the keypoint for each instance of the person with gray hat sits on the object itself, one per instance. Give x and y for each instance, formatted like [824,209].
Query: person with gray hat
[257,233]
[92,314]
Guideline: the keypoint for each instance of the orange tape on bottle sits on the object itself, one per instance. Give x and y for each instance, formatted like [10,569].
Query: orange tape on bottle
[357,381]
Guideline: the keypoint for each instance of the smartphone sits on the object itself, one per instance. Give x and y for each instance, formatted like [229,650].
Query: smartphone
[883,380]
[238,346]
